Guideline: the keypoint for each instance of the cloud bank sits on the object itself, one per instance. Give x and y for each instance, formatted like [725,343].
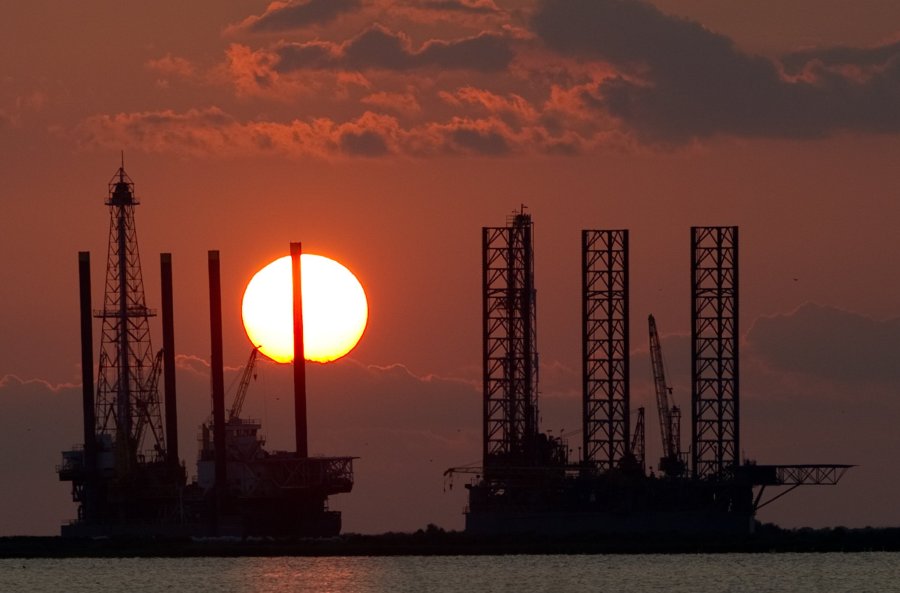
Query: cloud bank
[561,77]
[287,16]
[211,132]
[380,48]
[678,81]
[829,343]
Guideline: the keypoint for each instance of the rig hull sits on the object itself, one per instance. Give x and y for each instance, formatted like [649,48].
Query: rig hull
[609,504]
[562,523]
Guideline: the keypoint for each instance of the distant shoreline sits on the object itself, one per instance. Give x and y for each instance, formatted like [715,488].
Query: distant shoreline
[436,542]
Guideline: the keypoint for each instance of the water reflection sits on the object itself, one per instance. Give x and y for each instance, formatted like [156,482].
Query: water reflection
[738,573]
[296,575]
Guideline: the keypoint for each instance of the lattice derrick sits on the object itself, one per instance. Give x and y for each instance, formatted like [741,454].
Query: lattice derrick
[509,359]
[127,394]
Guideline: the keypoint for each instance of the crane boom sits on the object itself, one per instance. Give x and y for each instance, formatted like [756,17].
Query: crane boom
[143,419]
[669,417]
[662,390]
[238,403]
[638,449]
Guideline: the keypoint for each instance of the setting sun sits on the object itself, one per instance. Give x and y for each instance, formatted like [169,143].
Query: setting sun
[335,310]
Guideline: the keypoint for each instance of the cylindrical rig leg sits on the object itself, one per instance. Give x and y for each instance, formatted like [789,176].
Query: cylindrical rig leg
[218,379]
[168,320]
[299,354]
[87,379]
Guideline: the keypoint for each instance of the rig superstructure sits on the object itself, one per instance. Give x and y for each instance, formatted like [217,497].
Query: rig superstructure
[526,483]
[127,478]
[258,492]
[124,475]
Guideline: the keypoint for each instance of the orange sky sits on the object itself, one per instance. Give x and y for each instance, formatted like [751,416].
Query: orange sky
[385,134]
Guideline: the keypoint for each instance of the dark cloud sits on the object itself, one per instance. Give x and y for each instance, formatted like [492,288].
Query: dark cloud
[377,47]
[488,142]
[861,57]
[365,143]
[625,31]
[468,7]
[829,343]
[486,52]
[310,55]
[680,81]
[381,49]
[296,15]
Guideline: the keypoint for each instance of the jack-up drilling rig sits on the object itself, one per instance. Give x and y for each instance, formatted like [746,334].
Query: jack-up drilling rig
[527,484]
[260,492]
[124,478]
[268,492]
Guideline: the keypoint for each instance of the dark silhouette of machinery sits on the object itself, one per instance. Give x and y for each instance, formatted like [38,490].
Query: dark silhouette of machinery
[672,462]
[244,384]
[526,482]
[511,438]
[124,478]
[124,475]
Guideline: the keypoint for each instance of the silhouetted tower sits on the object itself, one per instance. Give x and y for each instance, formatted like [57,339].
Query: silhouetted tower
[123,480]
[605,348]
[128,408]
[510,355]
[715,397]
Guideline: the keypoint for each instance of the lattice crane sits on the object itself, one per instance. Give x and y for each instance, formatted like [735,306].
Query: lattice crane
[241,394]
[671,462]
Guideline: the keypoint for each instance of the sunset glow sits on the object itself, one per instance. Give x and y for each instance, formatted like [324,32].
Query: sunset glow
[387,136]
[335,310]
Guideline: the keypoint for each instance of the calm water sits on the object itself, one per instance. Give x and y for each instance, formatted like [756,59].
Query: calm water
[755,573]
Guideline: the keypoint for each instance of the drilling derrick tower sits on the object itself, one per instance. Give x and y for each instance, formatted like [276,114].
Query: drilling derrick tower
[510,356]
[517,458]
[123,478]
[127,478]
[128,408]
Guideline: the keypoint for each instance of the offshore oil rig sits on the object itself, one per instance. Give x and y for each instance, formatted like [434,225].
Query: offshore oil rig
[127,478]
[527,484]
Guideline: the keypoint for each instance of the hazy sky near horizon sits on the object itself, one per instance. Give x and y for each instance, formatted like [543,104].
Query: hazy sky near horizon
[385,135]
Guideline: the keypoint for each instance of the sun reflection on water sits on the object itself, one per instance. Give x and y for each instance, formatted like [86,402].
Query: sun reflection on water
[695,573]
